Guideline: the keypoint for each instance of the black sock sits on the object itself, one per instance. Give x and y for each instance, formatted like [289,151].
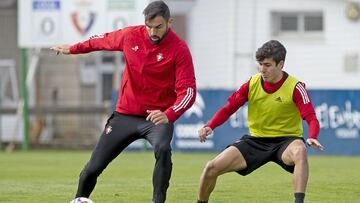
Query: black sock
[199,201]
[299,197]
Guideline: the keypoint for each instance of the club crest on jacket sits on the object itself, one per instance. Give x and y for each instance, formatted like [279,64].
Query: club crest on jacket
[159,57]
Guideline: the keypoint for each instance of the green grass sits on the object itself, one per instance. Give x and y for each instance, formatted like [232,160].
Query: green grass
[51,176]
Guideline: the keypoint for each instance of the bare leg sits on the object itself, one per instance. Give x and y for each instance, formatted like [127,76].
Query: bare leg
[296,154]
[229,160]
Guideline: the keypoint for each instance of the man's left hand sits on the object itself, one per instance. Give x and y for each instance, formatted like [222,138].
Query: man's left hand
[157,117]
[315,144]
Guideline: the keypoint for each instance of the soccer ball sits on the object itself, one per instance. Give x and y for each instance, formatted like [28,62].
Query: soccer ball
[82,200]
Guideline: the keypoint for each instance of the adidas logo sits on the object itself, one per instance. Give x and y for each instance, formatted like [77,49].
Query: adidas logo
[278,99]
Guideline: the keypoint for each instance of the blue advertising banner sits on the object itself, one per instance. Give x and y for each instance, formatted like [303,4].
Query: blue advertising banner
[206,104]
[338,112]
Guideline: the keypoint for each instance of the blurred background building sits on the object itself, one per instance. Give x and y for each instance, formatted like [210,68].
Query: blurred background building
[71,96]
[321,37]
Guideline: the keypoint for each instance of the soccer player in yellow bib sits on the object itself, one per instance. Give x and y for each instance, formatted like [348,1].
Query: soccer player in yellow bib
[277,103]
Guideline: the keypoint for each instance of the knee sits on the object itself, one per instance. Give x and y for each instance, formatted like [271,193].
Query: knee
[299,153]
[162,150]
[211,170]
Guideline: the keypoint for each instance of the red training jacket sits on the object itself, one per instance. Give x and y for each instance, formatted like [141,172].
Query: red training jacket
[156,76]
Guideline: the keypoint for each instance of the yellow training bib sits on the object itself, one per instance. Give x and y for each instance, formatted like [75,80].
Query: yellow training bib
[275,114]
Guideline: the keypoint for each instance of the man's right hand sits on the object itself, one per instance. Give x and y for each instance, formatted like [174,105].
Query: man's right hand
[61,49]
[203,132]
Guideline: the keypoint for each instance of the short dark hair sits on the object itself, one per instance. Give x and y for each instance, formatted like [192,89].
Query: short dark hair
[271,49]
[156,8]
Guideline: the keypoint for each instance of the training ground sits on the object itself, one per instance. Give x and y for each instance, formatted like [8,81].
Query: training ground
[51,176]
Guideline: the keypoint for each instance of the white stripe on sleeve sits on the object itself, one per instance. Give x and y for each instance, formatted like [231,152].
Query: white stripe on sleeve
[185,101]
[303,93]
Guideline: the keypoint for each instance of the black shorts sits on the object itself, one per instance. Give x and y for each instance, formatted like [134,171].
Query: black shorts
[257,151]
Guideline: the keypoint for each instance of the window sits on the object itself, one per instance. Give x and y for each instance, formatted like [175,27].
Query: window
[297,23]
[288,23]
[313,23]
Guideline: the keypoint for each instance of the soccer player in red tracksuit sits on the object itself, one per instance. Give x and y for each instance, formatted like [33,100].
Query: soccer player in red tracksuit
[158,86]
[277,103]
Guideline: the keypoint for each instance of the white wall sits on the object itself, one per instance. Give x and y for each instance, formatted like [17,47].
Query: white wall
[224,37]
[211,42]
[319,63]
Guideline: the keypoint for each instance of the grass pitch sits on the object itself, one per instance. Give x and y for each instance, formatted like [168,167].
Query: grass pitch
[51,176]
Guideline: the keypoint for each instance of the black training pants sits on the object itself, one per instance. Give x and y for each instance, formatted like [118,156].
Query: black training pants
[119,132]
